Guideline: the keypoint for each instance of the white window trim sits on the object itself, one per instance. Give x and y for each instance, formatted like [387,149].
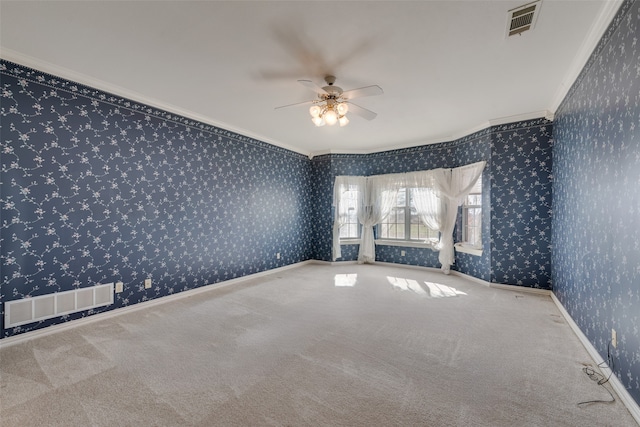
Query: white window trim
[465,248]
[405,243]
[408,242]
[350,241]
[401,243]
[459,247]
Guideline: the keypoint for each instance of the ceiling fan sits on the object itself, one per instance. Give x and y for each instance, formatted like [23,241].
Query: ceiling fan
[333,103]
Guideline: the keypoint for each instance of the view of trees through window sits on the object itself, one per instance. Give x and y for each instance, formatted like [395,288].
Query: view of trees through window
[351,227]
[472,216]
[404,222]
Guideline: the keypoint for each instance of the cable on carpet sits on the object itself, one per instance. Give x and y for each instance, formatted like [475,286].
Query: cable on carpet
[599,378]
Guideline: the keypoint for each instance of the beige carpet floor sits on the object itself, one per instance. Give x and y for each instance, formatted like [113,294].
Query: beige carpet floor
[318,345]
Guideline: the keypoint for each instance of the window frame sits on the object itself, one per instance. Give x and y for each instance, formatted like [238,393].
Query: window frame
[464,245]
[352,239]
[407,241]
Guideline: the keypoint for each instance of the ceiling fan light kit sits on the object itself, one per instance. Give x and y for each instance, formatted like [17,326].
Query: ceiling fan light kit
[330,112]
[333,104]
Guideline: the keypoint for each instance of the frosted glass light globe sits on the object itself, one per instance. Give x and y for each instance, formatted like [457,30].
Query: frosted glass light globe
[314,111]
[343,108]
[330,117]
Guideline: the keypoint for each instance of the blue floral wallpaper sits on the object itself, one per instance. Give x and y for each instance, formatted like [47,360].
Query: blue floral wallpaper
[521,204]
[596,197]
[516,207]
[322,195]
[98,189]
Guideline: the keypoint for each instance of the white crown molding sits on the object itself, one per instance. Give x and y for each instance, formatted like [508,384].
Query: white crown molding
[484,125]
[594,35]
[65,73]
[47,67]
[521,118]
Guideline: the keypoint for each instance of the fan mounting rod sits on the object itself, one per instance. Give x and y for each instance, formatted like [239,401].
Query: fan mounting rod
[332,91]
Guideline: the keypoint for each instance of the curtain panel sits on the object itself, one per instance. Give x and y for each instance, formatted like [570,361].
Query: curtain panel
[345,185]
[380,195]
[453,185]
[436,193]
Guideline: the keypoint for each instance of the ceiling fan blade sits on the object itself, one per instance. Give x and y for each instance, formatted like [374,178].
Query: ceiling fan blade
[361,111]
[363,91]
[314,87]
[294,105]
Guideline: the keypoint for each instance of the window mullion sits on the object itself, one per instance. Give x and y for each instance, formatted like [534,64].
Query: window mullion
[407,214]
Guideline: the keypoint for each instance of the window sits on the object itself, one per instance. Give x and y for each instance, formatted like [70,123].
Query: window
[349,202]
[472,217]
[404,222]
[428,200]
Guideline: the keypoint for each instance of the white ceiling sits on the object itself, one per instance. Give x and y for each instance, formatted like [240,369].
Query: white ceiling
[446,67]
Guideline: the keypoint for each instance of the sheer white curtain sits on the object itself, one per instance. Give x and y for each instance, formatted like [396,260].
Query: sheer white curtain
[345,190]
[426,200]
[437,193]
[452,186]
[429,208]
[381,193]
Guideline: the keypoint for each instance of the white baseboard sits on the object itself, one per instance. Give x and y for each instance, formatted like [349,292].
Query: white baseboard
[620,390]
[525,289]
[26,336]
[617,386]
[470,278]
[409,266]
[514,288]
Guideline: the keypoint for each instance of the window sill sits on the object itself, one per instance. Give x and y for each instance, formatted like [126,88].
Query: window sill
[349,242]
[461,247]
[404,243]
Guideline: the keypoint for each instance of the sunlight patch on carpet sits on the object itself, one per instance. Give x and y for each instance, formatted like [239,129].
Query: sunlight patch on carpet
[407,285]
[345,280]
[438,290]
[429,289]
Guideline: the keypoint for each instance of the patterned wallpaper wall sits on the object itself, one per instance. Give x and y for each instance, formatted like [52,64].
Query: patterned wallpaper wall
[521,204]
[97,189]
[322,213]
[516,206]
[596,197]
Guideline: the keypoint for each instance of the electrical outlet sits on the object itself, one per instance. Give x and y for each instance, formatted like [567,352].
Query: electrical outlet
[278,255]
[402,253]
[147,283]
[119,287]
[614,338]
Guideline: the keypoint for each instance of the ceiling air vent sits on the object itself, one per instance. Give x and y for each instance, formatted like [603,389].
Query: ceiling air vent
[522,18]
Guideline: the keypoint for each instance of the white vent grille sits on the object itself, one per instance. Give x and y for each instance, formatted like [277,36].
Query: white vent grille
[28,310]
[523,18]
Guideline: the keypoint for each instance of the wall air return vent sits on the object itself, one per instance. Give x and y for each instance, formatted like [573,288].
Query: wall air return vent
[523,18]
[34,309]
